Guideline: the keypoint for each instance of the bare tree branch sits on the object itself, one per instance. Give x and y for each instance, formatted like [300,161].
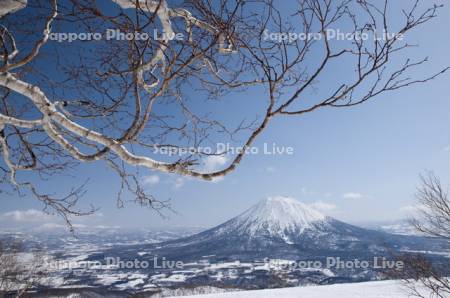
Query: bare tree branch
[98,103]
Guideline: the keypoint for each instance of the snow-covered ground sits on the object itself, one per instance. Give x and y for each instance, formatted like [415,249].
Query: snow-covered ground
[376,289]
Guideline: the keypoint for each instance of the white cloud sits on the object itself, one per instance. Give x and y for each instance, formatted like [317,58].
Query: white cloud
[412,210]
[55,227]
[211,164]
[151,179]
[214,163]
[39,220]
[353,195]
[30,215]
[51,226]
[179,182]
[322,206]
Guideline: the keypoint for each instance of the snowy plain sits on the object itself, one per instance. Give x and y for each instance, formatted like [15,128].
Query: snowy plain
[373,289]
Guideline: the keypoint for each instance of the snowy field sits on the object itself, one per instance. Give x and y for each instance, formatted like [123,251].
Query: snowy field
[376,289]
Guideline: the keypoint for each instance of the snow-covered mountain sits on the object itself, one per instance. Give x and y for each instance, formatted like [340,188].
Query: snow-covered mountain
[276,217]
[272,244]
[286,228]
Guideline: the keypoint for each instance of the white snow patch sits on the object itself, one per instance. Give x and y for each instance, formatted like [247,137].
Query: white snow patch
[109,279]
[374,289]
[278,215]
[174,278]
[131,284]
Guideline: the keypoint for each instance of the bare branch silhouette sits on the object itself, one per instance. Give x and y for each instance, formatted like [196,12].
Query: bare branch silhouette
[98,103]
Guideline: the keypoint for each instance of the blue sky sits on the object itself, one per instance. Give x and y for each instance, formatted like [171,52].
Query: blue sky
[359,164]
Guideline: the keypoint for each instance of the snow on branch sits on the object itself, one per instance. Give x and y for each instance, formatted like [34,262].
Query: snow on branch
[11,6]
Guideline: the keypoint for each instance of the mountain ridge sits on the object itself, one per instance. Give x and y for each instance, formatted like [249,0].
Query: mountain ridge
[275,227]
[276,215]
[287,229]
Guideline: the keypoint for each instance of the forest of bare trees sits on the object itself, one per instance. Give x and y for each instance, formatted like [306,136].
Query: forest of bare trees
[20,270]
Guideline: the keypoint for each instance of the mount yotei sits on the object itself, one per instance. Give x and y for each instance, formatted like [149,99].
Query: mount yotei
[275,243]
[286,228]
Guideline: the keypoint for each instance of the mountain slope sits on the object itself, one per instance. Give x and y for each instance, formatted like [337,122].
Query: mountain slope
[275,217]
[281,228]
[239,252]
